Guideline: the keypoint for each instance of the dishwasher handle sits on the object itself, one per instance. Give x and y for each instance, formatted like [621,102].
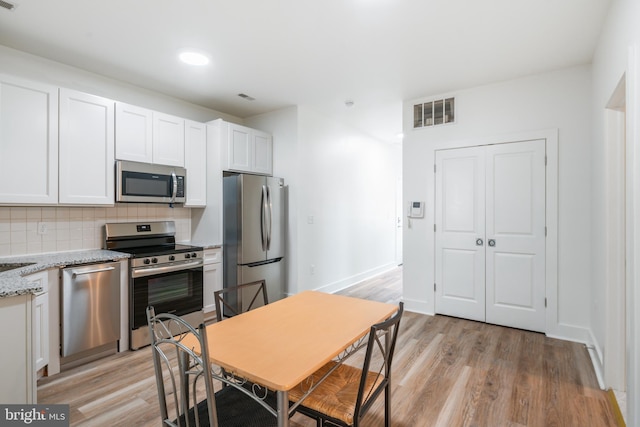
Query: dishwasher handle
[100,270]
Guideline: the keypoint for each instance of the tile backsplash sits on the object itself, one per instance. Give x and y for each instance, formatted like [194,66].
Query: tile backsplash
[34,230]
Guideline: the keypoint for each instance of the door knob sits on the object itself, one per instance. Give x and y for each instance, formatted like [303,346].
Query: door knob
[479,242]
[492,242]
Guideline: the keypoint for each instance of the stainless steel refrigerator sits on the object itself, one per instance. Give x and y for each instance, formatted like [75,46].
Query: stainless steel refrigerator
[254,221]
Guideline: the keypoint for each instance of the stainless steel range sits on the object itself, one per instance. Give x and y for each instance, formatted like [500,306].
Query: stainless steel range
[163,274]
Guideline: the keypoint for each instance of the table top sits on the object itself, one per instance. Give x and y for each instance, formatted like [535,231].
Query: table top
[281,344]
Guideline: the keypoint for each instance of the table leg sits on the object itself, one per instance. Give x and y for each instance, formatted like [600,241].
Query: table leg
[283,408]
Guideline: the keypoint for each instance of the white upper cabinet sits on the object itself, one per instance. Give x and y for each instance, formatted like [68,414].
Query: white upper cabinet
[28,142]
[86,149]
[246,150]
[168,140]
[195,160]
[147,136]
[262,152]
[134,130]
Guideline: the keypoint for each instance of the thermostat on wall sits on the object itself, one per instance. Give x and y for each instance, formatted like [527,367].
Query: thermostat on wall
[416,210]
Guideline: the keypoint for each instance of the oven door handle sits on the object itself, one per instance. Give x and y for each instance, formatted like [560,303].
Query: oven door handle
[167,269]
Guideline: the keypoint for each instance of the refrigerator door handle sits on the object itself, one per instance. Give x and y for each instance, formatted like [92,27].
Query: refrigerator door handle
[270,221]
[263,217]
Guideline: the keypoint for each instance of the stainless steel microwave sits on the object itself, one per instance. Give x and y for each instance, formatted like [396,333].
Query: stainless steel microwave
[147,183]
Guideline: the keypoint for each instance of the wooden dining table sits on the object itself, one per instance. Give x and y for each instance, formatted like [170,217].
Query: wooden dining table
[281,344]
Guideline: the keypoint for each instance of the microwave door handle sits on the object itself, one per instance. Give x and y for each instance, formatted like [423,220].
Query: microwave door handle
[174,193]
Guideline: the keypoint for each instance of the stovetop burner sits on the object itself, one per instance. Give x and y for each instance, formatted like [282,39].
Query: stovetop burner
[146,251]
[150,243]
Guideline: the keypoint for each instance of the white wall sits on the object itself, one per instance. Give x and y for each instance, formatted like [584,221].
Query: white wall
[342,198]
[557,100]
[614,58]
[31,67]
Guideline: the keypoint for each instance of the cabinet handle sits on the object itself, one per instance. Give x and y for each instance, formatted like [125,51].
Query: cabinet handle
[479,242]
[492,242]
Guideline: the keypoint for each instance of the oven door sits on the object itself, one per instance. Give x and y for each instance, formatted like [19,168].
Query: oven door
[177,292]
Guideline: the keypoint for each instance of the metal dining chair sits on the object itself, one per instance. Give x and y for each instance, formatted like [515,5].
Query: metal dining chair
[184,380]
[234,300]
[347,392]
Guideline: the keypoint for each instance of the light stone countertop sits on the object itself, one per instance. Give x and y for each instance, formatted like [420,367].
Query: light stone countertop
[205,245]
[13,282]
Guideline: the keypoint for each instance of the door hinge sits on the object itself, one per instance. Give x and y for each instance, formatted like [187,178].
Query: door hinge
[434,228]
[545,231]
[434,168]
[434,287]
[545,303]
[545,160]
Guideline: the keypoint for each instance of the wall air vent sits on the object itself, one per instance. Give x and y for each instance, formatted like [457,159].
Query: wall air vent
[434,113]
[7,5]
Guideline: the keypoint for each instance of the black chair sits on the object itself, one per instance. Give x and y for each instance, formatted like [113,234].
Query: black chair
[238,299]
[347,392]
[184,380]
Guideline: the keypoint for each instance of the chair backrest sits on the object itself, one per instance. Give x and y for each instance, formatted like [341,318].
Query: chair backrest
[183,374]
[376,368]
[234,300]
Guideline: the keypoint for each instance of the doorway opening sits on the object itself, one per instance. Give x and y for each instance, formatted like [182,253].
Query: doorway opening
[615,362]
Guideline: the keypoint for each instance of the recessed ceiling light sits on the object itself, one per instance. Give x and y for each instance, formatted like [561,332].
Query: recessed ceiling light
[193,57]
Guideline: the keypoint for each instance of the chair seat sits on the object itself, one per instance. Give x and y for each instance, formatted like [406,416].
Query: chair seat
[236,409]
[336,395]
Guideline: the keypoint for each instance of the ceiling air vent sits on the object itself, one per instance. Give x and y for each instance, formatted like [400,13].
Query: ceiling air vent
[433,113]
[241,95]
[7,5]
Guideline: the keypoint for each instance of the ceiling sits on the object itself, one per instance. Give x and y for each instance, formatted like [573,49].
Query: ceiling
[376,53]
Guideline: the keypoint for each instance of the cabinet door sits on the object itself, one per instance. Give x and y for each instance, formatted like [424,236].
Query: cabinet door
[195,160]
[40,320]
[262,152]
[168,140]
[212,275]
[41,330]
[86,149]
[239,148]
[133,133]
[28,142]
[18,383]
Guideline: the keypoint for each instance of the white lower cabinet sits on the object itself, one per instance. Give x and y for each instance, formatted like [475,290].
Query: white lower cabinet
[26,320]
[41,330]
[212,279]
[17,370]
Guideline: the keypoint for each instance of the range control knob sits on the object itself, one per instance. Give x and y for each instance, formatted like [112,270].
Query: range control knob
[147,261]
[172,258]
[154,260]
[194,255]
[187,255]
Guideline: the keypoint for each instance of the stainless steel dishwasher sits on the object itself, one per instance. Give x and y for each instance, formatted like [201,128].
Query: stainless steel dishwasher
[90,307]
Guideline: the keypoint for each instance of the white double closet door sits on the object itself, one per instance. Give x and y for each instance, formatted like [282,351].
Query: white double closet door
[490,234]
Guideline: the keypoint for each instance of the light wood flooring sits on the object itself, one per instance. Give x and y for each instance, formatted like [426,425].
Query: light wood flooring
[447,372]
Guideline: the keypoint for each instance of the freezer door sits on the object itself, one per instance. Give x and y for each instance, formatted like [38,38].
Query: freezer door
[252,240]
[276,218]
[271,273]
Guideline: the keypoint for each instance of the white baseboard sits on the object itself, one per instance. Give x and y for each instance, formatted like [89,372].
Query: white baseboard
[586,337]
[355,279]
